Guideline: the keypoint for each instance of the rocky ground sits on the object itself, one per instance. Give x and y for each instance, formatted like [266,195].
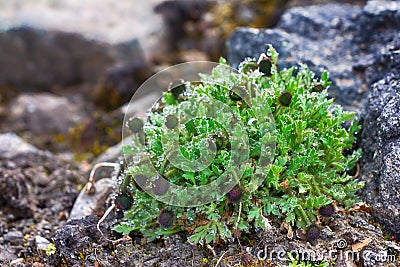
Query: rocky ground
[62,91]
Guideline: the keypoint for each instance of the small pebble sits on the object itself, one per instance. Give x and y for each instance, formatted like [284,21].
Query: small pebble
[14,238]
[326,232]
[41,243]
[17,261]
[11,165]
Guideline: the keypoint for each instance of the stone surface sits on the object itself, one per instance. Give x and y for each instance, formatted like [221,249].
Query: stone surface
[14,237]
[44,113]
[41,243]
[381,146]
[103,20]
[37,59]
[182,20]
[67,124]
[75,236]
[16,197]
[82,235]
[342,38]
[6,256]
[26,176]
[38,190]
[86,204]
[12,145]
[79,242]
[112,154]
[120,82]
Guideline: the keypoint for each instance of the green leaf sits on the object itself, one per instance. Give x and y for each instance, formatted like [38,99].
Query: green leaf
[169,99]
[325,76]
[254,213]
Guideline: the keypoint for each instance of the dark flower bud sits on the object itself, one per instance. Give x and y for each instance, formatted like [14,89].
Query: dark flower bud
[135,125]
[354,171]
[233,96]
[235,194]
[285,99]
[123,201]
[166,218]
[160,187]
[178,90]
[265,66]
[313,233]
[220,141]
[171,122]
[327,211]
[318,88]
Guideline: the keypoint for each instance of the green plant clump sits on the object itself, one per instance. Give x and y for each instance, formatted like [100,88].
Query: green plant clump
[312,157]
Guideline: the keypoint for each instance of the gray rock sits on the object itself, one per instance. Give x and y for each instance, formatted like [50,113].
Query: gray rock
[389,120]
[14,238]
[33,181]
[16,197]
[44,113]
[103,20]
[12,145]
[381,146]
[75,236]
[38,59]
[120,83]
[6,255]
[41,243]
[86,205]
[143,102]
[112,154]
[342,38]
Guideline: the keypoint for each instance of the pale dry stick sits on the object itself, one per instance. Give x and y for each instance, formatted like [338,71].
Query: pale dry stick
[108,211]
[90,187]
[99,261]
[211,249]
[358,170]
[240,212]
[237,223]
[220,258]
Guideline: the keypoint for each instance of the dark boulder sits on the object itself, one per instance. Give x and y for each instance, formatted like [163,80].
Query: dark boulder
[120,82]
[44,114]
[342,38]
[76,238]
[35,59]
[28,176]
[381,146]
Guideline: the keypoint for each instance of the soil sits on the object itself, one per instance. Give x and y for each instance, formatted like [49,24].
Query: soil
[78,242]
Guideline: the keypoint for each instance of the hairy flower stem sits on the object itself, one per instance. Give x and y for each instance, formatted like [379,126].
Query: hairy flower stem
[304,215]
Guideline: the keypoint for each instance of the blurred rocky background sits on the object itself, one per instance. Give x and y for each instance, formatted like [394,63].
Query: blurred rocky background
[68,67]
